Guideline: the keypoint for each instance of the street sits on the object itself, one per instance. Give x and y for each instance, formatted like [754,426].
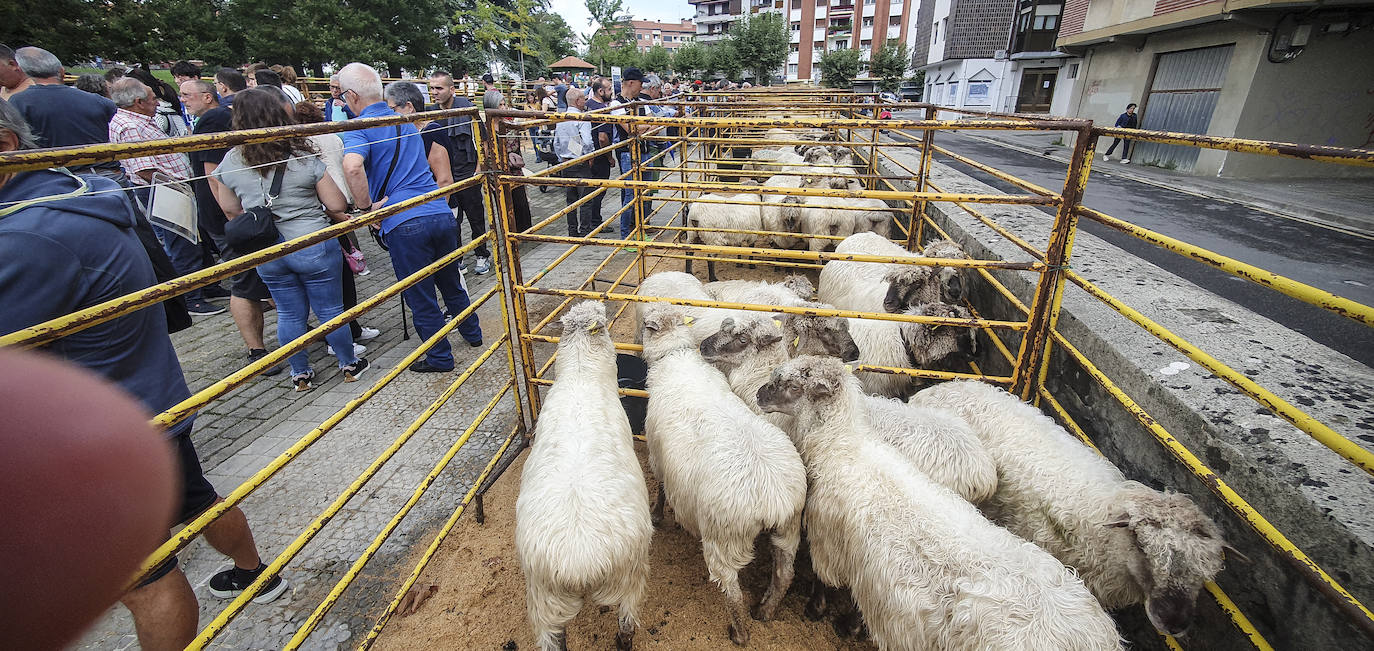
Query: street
[1329,259]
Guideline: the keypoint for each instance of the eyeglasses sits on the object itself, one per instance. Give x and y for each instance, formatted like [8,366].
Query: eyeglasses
[334,87]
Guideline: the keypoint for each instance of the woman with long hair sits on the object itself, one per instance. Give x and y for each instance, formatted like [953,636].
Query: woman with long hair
[312,277]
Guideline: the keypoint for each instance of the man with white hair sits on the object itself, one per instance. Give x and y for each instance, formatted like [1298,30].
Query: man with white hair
[382,165]
[335,109]
[62,116]
[134,122]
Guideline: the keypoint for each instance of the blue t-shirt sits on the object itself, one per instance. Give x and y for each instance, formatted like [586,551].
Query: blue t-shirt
[62,116]
[410,179]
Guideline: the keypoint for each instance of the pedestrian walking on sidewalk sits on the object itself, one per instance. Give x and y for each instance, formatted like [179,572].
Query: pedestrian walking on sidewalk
[1127,120]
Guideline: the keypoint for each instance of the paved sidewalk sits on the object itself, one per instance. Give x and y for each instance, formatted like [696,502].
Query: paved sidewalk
[243,431]
[1342,202]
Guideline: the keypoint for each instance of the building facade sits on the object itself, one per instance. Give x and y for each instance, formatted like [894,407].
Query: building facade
[817,26]
[649,33]
[1288,71]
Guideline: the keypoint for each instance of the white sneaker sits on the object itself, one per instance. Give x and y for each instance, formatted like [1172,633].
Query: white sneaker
[483,266]
[358,349]
[1125,161]
[368,334]
[1106,157]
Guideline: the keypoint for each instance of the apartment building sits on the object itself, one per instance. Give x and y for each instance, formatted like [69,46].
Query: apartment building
[1295,71]
[816,26]
[649,33]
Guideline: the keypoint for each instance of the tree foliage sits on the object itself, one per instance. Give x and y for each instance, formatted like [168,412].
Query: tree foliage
[657,59]
[691,59]
[890,64]
[760,42]
[839,67]
[725,59]
[612,44]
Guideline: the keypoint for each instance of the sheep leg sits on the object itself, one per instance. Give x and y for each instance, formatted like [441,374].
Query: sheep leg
[635,585]
[849,622]
[656,513]
[711,270]
[549,614]
[816,605]
[720,562]
[784,566]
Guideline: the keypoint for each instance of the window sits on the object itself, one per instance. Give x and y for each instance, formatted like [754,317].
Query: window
[868,22]
[1073,71]
[796,4]
[935,32]
[842,44]
[869,2]
[894,3]
[1046,23]
[796,27]
[944,24]
[820,23]
[818,46]
[894,21]
[796,47]
[792,69]
[820,3]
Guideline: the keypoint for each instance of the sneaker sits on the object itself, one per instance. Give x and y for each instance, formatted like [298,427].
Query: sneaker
[233,581]
[259,353]
[423,366]
[214,291]
[358,350]
[1125,161]
[368,334]
[203,308]
[483,266]
[475,344]
[463,263]
[1105,157]
[303,382]
[355,370]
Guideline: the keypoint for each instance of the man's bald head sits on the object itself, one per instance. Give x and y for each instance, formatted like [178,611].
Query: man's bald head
[575,97]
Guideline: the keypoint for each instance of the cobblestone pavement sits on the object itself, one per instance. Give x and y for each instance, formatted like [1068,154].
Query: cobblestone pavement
[243,431]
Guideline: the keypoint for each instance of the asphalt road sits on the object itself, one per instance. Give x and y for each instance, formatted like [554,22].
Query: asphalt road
[1338,262]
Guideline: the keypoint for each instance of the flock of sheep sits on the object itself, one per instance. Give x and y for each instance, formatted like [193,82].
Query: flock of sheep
[956,516]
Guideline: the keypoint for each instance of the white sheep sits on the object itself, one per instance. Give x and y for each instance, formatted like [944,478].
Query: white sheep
[717,216]
[869,286]
[728,473]
[582,526]
[820,216]
[1130,543]
[926,569]
[791,292]
[926,346]
[676,284]
[784,213]
[938,443]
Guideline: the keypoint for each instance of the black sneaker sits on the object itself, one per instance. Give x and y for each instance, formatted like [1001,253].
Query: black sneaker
[423,366]
[303,382]
[355,370]
[203,308]
[475,344]
[214,291]
[256,354]
[232,582]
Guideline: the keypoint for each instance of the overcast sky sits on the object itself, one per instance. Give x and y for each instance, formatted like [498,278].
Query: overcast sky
[575,12]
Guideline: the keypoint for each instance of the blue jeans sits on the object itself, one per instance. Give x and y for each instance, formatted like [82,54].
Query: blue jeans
[185,256]
[416,243]
[311,278]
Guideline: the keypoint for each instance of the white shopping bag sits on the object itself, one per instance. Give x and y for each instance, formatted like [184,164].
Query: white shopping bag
[173,207]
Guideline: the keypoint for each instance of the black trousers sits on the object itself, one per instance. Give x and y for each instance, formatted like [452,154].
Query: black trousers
[582,220]
[1125,150]
[469,202]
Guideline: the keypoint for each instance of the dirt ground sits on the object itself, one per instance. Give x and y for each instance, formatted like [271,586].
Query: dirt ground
[480,603]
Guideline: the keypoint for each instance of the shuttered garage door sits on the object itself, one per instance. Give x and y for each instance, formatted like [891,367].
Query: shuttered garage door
[1183,95]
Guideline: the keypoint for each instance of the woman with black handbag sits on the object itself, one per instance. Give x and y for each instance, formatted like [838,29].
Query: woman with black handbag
[284,183]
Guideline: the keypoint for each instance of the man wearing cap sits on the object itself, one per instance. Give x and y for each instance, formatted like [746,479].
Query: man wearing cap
[631,83]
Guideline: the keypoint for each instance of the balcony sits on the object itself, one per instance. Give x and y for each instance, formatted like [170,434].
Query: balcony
[843,29]
[842,9]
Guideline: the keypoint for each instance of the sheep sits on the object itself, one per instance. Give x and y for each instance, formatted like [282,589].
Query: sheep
[582,527]
[724,216]
[952,281]
[926,569]
[728,473]
[783,214]
[792,291]
[938,443]
[876,286]
[820,216]
[912,345]
[1130,543]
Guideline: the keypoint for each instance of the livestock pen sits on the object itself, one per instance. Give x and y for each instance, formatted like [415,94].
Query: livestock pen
[1027,352]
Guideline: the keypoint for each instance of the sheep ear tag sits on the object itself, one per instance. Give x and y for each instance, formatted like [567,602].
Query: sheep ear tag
[777,322]
[687,320]
[796,341]
[849,369]
[594,328]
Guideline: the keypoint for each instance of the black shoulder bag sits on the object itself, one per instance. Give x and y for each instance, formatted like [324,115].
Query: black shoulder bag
[376,230]
[256,228]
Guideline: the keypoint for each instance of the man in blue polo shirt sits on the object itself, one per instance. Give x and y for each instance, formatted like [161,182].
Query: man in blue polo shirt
[385,165]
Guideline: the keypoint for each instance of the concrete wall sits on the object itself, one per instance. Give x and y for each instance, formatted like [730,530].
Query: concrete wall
[1320,501]
[1323,97]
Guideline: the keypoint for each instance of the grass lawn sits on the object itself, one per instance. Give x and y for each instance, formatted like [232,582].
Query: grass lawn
[164,75]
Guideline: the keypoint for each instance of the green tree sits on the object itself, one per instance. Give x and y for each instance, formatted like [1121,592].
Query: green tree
[760,42]
[839,67]
[612,44]
[657,59]
[725,59]
[691,59]
[553,39]
[889,65]
[70,29]
[298,33]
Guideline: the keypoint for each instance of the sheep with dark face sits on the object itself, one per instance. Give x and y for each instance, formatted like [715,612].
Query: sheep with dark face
[1130,543]
[912,345]
[926,569]
[783,213]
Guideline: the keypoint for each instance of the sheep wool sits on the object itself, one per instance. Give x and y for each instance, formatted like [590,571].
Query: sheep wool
[728,473]
[926,569]
[1130,543]
[582,528]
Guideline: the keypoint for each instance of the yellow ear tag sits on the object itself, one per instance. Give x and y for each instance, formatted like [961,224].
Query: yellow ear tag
[848,368]
[777,323]
[594,328]
[687,320]
[796,341]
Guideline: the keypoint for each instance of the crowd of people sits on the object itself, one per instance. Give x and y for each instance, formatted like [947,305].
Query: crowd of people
[77,236]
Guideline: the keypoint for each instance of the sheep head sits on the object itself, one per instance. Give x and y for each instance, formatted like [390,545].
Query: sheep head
[817,156]
[791,213]
[1180,549]
[586,320]
[664,329]
[939,347]
[736,341]
[951,278]
[908,287]
[824,336]
[803,381]
[800,285]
